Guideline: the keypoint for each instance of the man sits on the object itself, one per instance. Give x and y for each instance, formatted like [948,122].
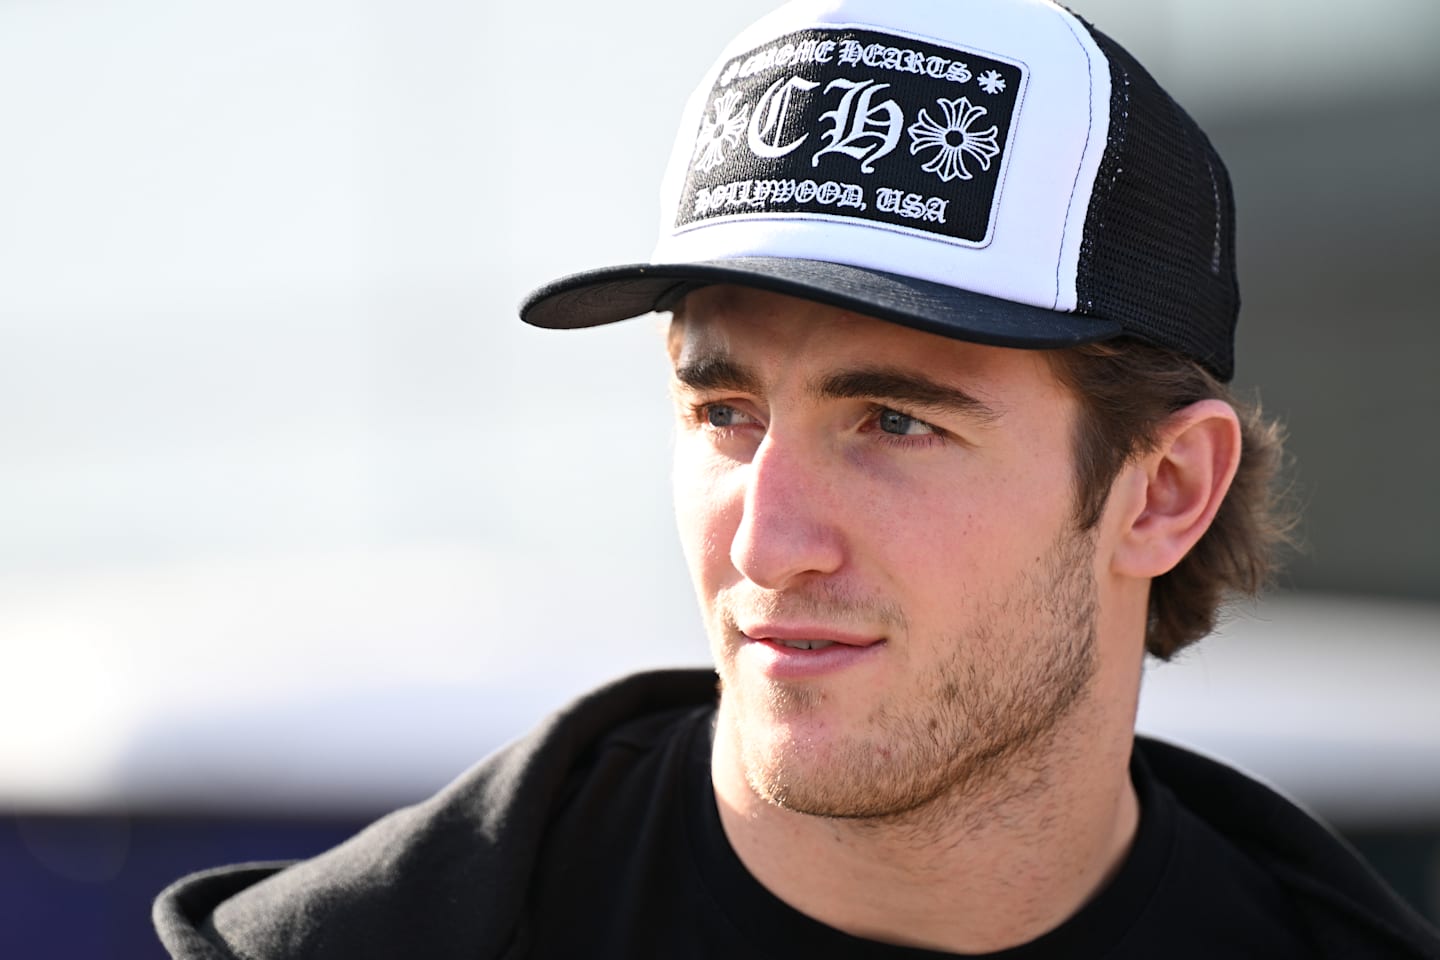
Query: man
[952,295]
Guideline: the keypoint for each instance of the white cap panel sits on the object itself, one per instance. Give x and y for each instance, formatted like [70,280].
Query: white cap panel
[1056,140]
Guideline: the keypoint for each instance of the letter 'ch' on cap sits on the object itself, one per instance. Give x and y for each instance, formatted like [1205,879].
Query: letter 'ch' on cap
[996,171]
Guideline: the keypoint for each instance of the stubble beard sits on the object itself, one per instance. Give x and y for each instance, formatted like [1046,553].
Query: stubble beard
[990,709]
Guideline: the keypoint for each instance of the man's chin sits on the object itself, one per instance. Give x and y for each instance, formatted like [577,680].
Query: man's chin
[815,779]
[791,714]
[792,779]
[818,759]
[797,757]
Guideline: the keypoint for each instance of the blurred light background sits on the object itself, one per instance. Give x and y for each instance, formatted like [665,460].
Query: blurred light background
[297,520]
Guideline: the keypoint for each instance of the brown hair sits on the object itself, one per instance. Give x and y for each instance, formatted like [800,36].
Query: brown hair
[1126,391]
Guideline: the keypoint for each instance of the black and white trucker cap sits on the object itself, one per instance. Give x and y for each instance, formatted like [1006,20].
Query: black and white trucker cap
[992,170]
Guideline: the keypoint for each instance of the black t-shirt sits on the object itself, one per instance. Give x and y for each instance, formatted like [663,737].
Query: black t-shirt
[637,865]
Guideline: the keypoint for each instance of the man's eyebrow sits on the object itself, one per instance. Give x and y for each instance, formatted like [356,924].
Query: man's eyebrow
[904,386]
[716,371]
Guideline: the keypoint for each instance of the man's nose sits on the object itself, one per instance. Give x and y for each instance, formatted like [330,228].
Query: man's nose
[789,527]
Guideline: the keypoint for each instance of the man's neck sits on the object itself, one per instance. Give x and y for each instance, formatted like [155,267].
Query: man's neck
[975,871]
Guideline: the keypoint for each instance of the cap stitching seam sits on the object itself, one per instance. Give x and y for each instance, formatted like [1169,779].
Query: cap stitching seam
[1069,19]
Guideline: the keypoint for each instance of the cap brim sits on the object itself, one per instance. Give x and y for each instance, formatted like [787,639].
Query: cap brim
[617,293]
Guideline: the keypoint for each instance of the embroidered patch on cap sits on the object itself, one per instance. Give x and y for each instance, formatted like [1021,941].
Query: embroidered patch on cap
[852,124]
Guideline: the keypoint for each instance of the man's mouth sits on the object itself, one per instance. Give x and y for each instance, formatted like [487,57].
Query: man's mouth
[808,636]
[805,644]
[804,652]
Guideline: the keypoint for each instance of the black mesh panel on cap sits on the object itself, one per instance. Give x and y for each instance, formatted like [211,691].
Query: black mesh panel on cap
[1158,252]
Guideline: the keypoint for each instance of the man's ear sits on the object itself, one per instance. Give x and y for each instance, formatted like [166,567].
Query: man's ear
[1179,487]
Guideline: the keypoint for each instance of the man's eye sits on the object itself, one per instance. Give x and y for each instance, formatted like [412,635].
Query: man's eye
[720,415]
[895,422]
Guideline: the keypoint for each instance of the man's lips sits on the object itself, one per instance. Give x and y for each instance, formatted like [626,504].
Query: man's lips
[803,652]
[795,636]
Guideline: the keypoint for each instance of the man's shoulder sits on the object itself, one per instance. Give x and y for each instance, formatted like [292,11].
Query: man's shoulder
[1346,908]
[446,877]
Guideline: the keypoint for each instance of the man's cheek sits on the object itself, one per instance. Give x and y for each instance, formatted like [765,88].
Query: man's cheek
[709,498]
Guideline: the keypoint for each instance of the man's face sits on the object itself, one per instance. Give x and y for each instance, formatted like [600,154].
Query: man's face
[880,526]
